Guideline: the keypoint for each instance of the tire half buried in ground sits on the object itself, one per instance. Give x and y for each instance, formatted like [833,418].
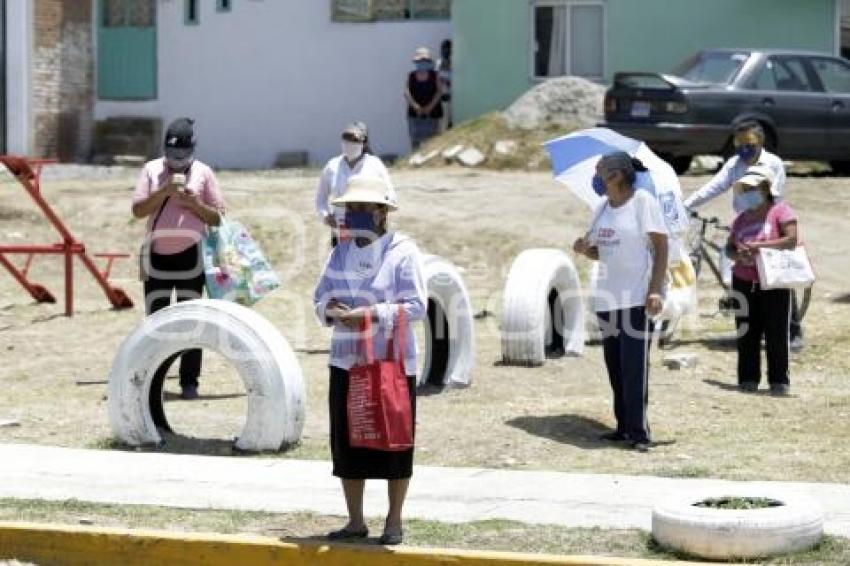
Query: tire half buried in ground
[543,308]
[262,356]
[449,356]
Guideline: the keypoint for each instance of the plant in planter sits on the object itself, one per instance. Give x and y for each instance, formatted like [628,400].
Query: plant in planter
[738,525]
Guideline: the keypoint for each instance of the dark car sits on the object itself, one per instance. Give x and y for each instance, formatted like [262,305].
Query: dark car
[801,98]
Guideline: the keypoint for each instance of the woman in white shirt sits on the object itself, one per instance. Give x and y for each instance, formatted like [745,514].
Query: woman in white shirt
[629,238]
[356,159]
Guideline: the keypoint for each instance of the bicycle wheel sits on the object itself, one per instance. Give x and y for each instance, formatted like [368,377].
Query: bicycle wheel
[802,303]
[693,243]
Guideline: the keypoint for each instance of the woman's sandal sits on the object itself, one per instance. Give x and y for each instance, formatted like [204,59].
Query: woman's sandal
[391,539]
[346,534]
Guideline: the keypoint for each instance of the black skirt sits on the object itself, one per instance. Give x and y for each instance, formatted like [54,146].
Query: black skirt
[362,463]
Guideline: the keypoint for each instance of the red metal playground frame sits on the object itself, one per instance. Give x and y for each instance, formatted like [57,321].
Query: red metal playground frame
[28,174]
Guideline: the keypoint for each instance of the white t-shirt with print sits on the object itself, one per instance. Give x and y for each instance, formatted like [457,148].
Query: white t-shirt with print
[625,251]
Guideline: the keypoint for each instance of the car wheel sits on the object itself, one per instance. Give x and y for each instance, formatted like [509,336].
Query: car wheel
[840,167]
[679,163]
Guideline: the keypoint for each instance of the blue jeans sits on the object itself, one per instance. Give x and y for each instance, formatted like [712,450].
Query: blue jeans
[421,130]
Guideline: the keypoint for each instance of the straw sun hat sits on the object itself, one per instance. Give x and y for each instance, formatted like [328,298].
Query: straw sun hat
[367,189]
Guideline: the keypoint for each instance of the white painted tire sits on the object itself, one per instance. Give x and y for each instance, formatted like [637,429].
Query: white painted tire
[527,316]
[725,534]
[449,331]
[265,362]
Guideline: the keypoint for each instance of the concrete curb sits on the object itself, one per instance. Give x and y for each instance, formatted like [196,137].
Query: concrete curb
[73,546]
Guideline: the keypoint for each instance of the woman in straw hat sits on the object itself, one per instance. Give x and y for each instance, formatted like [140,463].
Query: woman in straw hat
[373,273]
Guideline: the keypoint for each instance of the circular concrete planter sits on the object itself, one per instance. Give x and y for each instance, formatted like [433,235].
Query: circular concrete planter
[792,524]
[265,362]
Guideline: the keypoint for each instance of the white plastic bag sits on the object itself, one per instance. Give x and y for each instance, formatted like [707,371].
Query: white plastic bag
[784,269]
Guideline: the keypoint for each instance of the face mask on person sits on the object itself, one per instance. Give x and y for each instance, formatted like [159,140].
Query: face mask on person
[360,222]
[598,184]
[424,65]
[178,159]
[750,200]
[747,152]
[352,150]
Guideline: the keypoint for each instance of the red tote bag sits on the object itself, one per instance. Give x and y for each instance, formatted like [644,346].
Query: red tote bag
[379,413]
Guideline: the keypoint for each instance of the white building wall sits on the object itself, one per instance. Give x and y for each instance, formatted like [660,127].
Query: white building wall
[273,76]
[19,43]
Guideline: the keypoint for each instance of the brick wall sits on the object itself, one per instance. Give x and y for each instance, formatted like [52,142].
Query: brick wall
[63,79]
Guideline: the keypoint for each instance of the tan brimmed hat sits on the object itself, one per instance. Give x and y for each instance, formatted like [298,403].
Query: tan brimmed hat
[755,175]
[367,189]
[422,54]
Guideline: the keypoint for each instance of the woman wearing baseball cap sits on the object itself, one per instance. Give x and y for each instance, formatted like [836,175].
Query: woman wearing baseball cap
[356,159]
[376,274]
[180,197]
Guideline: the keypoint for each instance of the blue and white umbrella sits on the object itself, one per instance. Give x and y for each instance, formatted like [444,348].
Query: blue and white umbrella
[574,159]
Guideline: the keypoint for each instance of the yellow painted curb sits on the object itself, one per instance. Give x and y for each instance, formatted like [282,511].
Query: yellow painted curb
[74,545]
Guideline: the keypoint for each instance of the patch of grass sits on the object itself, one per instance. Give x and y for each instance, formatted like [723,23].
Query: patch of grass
[106,443]
[739,503]
[508,536]
[683,472]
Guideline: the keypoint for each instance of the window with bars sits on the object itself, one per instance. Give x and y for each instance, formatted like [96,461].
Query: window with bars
[129,13]
[389,10]
[192,12]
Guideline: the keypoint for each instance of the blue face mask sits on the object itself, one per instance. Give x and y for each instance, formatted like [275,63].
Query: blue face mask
[747,152]
[360,222]
[598,184]
[424,66]
[749,200]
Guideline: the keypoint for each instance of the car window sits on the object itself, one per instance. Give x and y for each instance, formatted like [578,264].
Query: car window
[782,73]
[711,67]
[835,75]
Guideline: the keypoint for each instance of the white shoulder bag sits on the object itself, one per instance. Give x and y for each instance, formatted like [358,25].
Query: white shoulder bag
[784,269]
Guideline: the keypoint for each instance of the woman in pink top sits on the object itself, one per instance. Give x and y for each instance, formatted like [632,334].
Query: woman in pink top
[180,197]
[764,223]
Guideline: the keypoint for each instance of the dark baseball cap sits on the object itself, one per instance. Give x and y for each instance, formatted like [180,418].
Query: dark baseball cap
[180,134]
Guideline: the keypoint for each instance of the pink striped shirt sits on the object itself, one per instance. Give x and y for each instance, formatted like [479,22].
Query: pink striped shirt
[178,228]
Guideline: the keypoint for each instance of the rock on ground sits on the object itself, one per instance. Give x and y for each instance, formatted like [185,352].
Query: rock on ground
[565,101]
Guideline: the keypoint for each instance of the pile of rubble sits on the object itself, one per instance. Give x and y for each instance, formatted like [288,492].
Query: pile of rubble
[554,107]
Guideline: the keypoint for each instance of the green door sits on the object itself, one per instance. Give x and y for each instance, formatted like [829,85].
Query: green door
[126,50]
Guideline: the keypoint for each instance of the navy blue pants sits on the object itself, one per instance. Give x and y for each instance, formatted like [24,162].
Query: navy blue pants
[766,316]
[625,341]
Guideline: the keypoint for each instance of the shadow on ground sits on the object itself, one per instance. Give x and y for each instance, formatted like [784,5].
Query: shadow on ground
[575,430]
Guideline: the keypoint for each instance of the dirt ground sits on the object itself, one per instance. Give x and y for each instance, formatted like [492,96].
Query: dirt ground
[53,369]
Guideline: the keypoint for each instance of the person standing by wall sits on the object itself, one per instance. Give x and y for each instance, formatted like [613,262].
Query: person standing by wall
[374,274]
[629,239]
[180,197]
[423,94]
[356,159]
